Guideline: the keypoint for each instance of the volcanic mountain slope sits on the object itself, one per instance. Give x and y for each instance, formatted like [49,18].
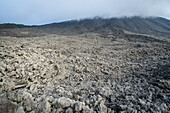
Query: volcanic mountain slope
[88,66]
[153,26]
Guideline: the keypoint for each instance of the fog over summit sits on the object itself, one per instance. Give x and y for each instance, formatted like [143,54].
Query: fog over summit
[41,12]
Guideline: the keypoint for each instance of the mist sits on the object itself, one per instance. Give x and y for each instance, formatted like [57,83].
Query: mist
[39,12]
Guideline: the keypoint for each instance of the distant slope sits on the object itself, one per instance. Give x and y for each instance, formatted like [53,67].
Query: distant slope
[152,26]
[11,25]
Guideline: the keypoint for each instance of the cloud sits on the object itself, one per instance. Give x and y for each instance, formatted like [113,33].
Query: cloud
[47,11]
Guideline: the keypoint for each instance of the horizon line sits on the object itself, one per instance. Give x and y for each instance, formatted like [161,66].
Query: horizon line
[81,19]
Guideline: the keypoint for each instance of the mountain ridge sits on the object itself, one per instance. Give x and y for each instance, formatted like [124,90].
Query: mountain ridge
[157,26]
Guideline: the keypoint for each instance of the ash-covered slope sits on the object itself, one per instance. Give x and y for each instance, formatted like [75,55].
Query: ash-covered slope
[152,26]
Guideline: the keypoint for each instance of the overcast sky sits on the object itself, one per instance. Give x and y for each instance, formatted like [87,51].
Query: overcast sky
[48,11]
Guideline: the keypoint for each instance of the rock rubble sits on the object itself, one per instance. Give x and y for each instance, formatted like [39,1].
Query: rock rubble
[83,74]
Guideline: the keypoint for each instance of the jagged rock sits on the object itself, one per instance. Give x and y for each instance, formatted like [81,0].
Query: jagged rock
[99,98]
[29,104]
[15,96]
[78,106]
[77,69]
[32,112]
[105,91]
[60,110]
[7,107]
[92,99]
[86,109]
[60,91]
[47,107]
[26,95]
[20,110]
[54,110]
[164,107]
[86,69]
[105,71]
[69,110]
[1,87]
[50,99]
[64,102]
[109,110]
[102,107]
[142,102]
[87,101]
[112,111]
[123,107]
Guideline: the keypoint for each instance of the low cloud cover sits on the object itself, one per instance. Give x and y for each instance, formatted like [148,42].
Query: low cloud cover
[47,11]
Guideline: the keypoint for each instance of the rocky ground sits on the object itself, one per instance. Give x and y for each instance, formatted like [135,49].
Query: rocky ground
[86,73]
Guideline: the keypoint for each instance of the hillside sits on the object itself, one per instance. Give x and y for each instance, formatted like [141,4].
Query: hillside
[152,26]
[87,66]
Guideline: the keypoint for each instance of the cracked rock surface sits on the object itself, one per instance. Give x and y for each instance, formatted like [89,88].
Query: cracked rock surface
[84,74]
